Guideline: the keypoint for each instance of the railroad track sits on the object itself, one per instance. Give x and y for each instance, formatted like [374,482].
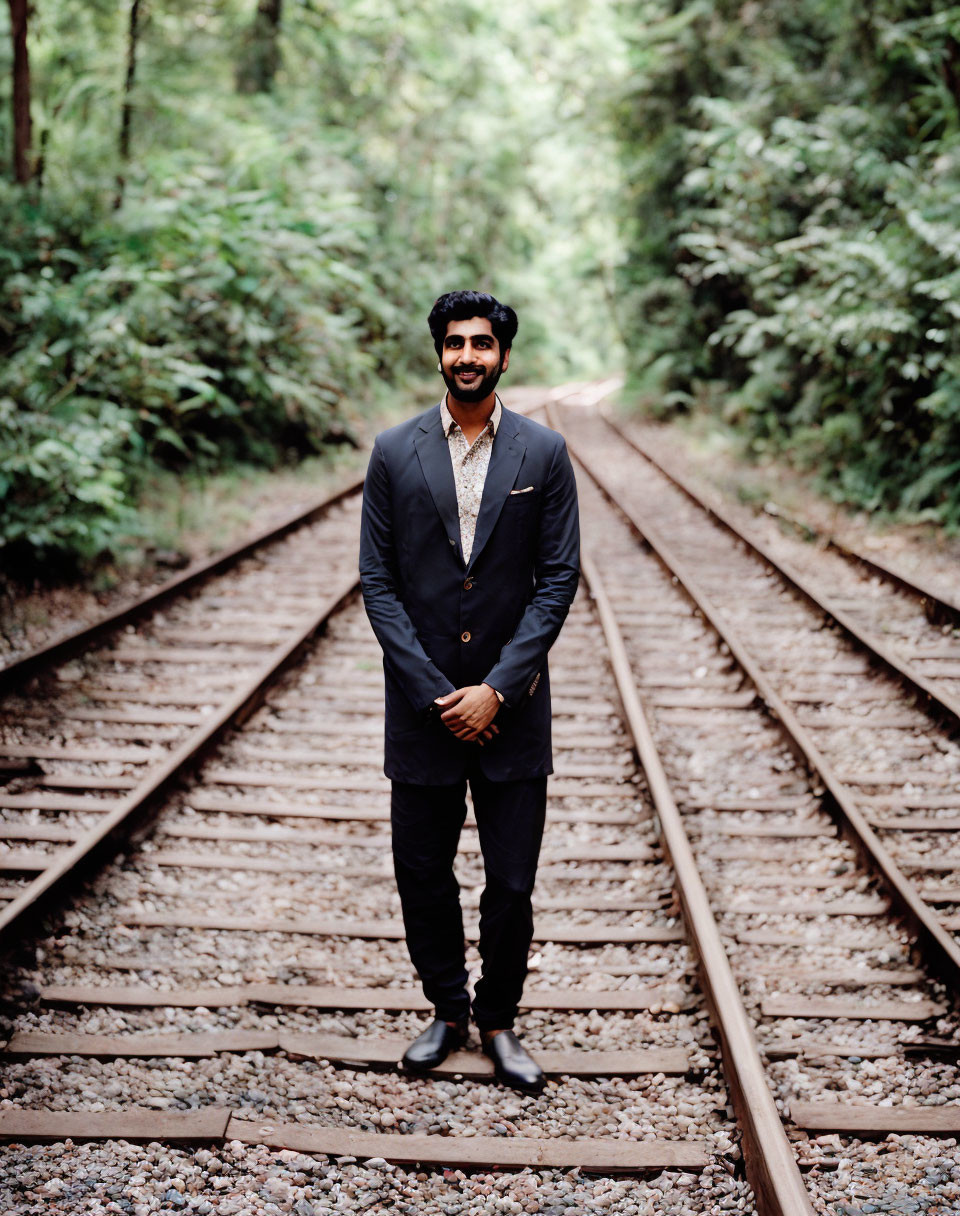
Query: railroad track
[801,861]
[251,926]
[867,710]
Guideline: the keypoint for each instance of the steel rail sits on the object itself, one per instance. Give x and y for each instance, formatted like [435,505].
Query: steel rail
[132,812]
[65,647]
[938,605]
[770,1163]
[938,945]
[936,699]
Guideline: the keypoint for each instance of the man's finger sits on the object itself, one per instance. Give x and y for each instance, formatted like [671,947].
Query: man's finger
[451,698]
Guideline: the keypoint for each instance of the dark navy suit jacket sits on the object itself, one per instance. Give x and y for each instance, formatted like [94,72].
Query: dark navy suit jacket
[443,624]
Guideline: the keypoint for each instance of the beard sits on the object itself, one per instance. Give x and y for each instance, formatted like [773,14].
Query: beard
[482,388]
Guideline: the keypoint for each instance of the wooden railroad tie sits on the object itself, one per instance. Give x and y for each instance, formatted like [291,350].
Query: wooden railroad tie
[338,1049]
[219,1125]
[309,996]
[390,930]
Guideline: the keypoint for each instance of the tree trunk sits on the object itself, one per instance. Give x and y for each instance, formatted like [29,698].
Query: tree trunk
[951,67]
[19,11]
[260,55]
[126,114]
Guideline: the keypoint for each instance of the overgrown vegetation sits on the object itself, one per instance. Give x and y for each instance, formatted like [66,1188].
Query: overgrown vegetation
[793,173]
[237,216]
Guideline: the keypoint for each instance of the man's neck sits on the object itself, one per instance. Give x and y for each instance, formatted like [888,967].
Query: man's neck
[471,416]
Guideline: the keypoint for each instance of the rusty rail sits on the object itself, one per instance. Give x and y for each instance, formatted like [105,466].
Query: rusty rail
[939,945]
[937,699]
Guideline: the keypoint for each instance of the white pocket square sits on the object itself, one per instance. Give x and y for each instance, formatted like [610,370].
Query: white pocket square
[525,490]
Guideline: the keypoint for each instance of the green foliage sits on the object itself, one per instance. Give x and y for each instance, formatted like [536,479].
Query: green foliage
[810,251]
[276,253]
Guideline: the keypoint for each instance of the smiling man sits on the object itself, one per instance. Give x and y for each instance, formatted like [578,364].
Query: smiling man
[469,561]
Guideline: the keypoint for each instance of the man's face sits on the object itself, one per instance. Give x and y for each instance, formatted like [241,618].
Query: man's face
[470,360]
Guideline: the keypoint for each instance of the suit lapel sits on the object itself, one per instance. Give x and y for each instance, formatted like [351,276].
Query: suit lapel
[433,453]
[505,460]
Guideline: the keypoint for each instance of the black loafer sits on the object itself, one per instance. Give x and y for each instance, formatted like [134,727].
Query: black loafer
[433,1046]
[513,1064]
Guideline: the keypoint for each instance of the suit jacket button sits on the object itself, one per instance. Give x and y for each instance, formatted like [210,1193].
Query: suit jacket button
[465,636]
[468,585]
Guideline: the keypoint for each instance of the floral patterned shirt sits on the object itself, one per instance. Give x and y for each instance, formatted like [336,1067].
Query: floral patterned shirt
[470,464]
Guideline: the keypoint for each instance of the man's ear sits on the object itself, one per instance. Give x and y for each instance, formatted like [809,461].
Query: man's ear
[505,361]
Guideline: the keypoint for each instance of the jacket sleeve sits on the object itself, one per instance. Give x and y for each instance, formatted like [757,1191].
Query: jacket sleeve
[557,573]
[422,681]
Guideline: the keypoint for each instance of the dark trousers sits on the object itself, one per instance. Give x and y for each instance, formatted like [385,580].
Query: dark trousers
[426,821]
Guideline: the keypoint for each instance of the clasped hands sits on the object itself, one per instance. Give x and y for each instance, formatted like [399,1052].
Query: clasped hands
[469,712]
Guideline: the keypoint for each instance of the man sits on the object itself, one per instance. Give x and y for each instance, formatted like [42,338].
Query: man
[469,561]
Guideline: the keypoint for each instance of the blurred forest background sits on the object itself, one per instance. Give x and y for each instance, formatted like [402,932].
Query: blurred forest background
[222,224]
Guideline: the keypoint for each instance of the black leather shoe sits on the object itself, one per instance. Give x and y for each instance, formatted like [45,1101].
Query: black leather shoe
[434,1045]
[513,1064]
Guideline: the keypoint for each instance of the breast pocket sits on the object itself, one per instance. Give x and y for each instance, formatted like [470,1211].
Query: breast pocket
[527,501]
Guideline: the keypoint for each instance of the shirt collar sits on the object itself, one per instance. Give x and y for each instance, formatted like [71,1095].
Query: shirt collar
[447,419]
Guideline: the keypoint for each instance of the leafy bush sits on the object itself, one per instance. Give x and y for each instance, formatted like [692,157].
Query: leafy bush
[205,326]
[814,249]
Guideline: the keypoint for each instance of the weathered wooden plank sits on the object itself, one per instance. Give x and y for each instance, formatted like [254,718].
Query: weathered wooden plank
[289,865]
[340,1048]
[844,941]
[866,1118]
[930,801]
[372,758]
[203,800]
[143,997]
[387,930]
[85,781]
[789,1006]
[135,717]
[39,831]
[267,835]
[509,1152]
[37,800]
[797,802]
[314,996]
[263,865]
[337,1048]
[852,977]
[25,862]
[694,700]
[783,880]
[787,1049]
[810,907]
[916,776]
[185,1045]
[132,653]
[785,831]
[930,863]
[158,696]
[258,779]
[94,755]
[916,823]
[277,835]
[134,1123]
[891,721]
